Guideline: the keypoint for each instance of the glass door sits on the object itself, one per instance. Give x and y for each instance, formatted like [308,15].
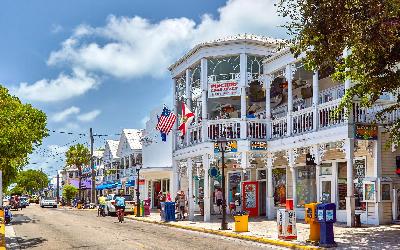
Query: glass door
[327,191]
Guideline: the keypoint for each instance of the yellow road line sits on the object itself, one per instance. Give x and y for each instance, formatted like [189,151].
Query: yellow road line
[229,234]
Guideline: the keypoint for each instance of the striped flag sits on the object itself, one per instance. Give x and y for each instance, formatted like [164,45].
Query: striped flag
[187,117]
[166,121]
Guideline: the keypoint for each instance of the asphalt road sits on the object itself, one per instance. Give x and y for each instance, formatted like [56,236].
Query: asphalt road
[50,228]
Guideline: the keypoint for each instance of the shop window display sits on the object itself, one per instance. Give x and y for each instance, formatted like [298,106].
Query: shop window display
[306,189]
[234,185]
[279,184]
[359,168]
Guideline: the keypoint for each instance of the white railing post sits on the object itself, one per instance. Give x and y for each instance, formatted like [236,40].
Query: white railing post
[189,88]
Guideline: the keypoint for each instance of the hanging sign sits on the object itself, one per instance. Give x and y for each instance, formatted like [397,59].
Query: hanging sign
[213,172]
[258,145]
[366,132]
[223,88]
[231,146]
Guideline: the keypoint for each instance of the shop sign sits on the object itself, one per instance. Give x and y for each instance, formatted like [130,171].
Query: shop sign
[141,182]
[230,147]
[258,145]
[223,88]
[366,132]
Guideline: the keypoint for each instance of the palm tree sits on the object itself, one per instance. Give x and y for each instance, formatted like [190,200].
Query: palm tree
[78,156]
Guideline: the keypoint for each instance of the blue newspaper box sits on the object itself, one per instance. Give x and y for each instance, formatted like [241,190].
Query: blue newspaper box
[326,213]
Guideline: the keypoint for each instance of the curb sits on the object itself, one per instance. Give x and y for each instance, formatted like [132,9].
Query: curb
[229,234]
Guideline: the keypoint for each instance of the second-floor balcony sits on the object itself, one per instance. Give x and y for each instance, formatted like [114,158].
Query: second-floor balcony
[311,119]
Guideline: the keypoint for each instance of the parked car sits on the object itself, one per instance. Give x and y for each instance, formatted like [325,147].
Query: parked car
[23,202]
[48,202]
[110,204]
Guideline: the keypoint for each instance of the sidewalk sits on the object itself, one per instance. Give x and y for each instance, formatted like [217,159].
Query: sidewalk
[366,237]
[11,238]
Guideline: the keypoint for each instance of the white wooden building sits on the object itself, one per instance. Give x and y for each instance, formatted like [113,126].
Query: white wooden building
[278,114]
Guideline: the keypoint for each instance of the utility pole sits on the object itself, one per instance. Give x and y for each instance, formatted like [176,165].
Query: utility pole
[93,198]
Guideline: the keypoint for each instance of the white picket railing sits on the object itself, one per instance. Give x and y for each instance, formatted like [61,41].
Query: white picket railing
[228,128]
[278,128]
[302,121]
[326,114]
[256,129]
[194,135]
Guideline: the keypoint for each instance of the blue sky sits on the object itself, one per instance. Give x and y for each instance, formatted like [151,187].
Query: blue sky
[103,64]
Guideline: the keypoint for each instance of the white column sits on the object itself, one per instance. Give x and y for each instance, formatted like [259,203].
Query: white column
[350,201]
[174,179]
[378,174]
[270,188]
[315,99]
[190,194]
[317,160]
[289,77]
[207,193]
[268,82]
[243,101]
[204,87]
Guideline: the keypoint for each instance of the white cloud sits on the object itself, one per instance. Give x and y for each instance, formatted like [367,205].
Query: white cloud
[135,47]
[59,89]
[63,115]
[89,116]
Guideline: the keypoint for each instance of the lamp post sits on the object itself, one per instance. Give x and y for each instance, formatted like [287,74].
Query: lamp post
[138,168]
[222,143]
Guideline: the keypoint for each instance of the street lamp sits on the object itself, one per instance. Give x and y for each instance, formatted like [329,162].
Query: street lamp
[222,143]
[138,168]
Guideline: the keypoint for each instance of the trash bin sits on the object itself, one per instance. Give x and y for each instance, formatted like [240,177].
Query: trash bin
[147,207]
[311,218]
[135,210]
[79,206]
[241,223]
[326,217]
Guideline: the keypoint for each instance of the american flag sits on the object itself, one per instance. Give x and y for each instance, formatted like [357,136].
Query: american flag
[166,121]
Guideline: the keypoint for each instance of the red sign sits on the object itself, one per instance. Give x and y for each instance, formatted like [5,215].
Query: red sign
[141,182]
[250,197]
[223,89]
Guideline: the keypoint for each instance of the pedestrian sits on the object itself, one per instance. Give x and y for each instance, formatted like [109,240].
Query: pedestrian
[181,203]
[219,196]
[160,198]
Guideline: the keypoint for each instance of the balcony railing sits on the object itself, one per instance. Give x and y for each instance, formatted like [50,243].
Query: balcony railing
[325,116]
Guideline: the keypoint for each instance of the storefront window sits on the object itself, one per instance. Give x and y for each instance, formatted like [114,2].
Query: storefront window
[359,168]
[306,189]
[279,184]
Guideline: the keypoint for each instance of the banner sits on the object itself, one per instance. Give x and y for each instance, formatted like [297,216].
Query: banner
[223,89]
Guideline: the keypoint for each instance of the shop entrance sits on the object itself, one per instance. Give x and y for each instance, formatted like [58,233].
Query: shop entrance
[262,195]
[156,190]
[327,190]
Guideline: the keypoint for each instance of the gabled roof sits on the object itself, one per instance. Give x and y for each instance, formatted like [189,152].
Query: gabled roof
[134,137]
[112,147]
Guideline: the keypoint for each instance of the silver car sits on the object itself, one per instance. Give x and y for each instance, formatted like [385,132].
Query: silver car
[48,202]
